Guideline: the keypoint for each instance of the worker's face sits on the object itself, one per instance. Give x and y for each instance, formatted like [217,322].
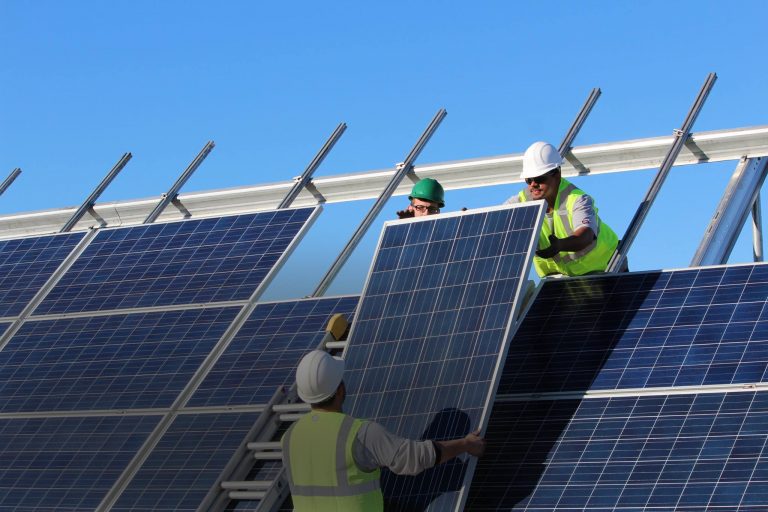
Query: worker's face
[422,208]
[544,186]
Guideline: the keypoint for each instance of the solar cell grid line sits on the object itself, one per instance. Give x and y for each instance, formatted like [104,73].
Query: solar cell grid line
[196,261]
[692,327]
[25,266]
[696,451]
[266,350]
[424,352]
[126,361]
[65,463]
[186,462]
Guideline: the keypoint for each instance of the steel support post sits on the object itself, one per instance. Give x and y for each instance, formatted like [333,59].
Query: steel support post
[10,179]
[169,196]
[681,136]
[306,176]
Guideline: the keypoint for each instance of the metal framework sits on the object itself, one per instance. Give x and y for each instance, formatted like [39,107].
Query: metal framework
[91,200]
[10,179]
[621,156]
[681,136]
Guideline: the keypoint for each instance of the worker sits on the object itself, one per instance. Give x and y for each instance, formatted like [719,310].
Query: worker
[332,460]
[573,240]
[426,199]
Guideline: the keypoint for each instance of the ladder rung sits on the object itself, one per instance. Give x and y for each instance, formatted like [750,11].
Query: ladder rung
[298,407]
[291,417]
[247,495]
[247,485]
[264,445]
[267,455]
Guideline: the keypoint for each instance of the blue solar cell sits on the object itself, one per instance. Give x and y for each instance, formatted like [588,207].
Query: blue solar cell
[107,362]
[266,350]
[680,328]
[195,261]
[430,331]
[66,463]
[186,462]
[25,266]
[670,452]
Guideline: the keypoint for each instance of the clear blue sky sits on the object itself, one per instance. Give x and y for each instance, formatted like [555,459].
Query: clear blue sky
[83,82]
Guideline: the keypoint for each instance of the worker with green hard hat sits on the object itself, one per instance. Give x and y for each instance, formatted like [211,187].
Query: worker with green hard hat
[332,460]
[426,198]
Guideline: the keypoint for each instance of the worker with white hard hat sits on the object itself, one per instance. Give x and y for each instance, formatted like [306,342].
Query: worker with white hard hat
[573,240]
[332,460]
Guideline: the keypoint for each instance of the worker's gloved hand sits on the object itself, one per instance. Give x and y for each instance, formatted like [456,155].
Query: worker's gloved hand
[405,214]
[475,445]
[552,250]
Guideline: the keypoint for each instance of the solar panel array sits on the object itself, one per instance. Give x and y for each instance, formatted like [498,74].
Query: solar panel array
[429,334]
[86,379]
[671,424]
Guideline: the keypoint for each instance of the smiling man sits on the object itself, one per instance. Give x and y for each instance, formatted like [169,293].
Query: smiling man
[573,240]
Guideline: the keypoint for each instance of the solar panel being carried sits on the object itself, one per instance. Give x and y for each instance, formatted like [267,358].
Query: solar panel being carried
[187,262]
[429,335]
[25,266]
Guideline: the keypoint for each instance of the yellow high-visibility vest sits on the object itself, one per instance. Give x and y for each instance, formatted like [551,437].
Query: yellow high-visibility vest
[322,474]
[593,258]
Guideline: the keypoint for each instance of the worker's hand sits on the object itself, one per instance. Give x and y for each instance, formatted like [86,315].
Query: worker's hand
[405,214]
[552,250]
[475,445]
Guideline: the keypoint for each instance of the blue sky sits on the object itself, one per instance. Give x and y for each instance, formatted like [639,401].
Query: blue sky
[83,82]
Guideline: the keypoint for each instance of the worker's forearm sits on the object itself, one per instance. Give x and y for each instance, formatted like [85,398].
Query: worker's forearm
[577,242]
[450,449]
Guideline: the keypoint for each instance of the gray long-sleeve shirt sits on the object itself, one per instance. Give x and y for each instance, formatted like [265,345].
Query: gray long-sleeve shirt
[375,447]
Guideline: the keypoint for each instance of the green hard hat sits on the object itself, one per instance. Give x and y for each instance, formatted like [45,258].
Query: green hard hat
[428,189]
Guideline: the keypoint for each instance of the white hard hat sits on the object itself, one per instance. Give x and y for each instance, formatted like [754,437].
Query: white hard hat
[318,376]
[540,158]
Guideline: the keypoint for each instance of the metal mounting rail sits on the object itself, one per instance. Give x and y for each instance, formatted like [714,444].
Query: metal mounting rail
[681,137]
[402,170]
[595,159]
[10,179]
[91,200]
[173,192]
[741,197]
[303,180]
[757,230]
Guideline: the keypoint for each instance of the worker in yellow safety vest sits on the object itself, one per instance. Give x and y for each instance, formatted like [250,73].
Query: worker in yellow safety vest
[332,460]
[426,197]
[573,241]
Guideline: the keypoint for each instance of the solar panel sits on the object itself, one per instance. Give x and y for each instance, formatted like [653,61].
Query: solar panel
[668,452]
[677,328]
[66,463]
[266,350]
[194,261]
[429,333]
[186,462]
[107,362]
[25,266]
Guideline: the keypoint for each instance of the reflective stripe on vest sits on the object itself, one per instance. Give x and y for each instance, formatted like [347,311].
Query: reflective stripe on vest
[335,483]
[592,258]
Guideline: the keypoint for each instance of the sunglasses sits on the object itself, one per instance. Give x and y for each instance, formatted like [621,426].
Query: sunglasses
[543,178]
[424,208]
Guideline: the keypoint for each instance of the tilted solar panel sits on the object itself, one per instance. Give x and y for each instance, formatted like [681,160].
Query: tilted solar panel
[669,452]
[266,350]
[187,262]
[186,462]
[677,328]
[25,266]
[430,330]
[107,362]
[66,463]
